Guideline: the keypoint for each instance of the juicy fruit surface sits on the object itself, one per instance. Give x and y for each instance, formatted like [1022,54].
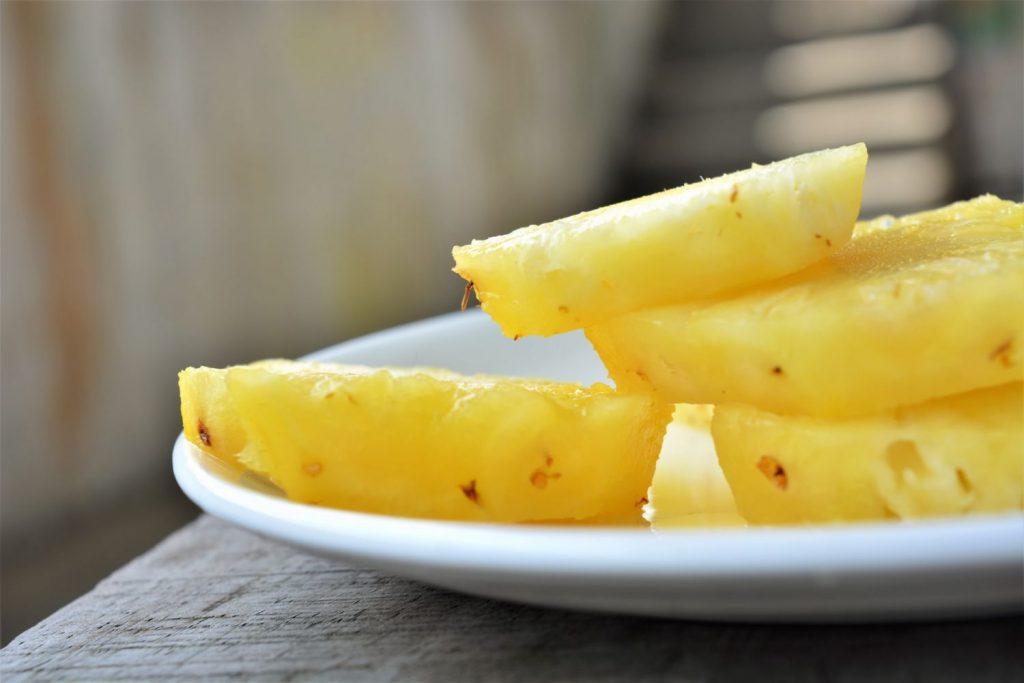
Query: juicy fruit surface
[429,443]
[927,305]
[691,242]
[951,456]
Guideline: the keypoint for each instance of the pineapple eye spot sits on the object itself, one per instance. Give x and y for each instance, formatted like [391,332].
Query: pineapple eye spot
[1002,354]
[540,476]
[312,468]
[903,458]
[470,492]
[204,434]
[774,470]
[965,483]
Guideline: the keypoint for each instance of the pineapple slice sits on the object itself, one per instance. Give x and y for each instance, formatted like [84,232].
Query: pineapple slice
[430,443]
[691,242]
[689,488]
[951,456]
[927,305]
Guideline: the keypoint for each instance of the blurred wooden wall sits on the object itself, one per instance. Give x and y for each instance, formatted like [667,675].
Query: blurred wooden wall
[206,183]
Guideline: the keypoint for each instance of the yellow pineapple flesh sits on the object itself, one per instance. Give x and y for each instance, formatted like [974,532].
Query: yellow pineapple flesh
[950,456]
[927,305]
[689,489]
[208,415]
[430,443]
[687,243]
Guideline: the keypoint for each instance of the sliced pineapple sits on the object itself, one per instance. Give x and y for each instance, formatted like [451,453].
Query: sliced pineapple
[689,488]
[430,443]
[691,242]
[951,456]
[923,306]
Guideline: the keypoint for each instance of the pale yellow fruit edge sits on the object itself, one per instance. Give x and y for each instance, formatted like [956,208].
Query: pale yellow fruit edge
[688,243]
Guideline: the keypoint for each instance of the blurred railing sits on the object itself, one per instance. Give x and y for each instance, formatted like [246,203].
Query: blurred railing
[933,88]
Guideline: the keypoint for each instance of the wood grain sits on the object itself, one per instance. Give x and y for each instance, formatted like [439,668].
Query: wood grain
[216,603]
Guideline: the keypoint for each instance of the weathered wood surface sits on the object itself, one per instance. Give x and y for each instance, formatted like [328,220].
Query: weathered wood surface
[215,603]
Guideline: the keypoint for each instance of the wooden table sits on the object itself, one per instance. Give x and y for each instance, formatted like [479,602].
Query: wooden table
[214,603]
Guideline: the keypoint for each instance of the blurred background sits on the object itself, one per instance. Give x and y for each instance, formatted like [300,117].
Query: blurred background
[209,183]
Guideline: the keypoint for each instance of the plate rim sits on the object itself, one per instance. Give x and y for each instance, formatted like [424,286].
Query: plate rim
[634,552]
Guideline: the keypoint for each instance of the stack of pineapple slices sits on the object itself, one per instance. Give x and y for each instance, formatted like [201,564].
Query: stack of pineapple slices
[855,379]
[883,382]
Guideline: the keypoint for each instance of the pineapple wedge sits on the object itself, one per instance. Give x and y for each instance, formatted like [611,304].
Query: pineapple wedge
[689,488]
[927,305]
[430,443]
[688,243]
[951,456]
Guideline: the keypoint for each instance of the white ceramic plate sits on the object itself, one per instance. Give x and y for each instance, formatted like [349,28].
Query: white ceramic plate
[943,568]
